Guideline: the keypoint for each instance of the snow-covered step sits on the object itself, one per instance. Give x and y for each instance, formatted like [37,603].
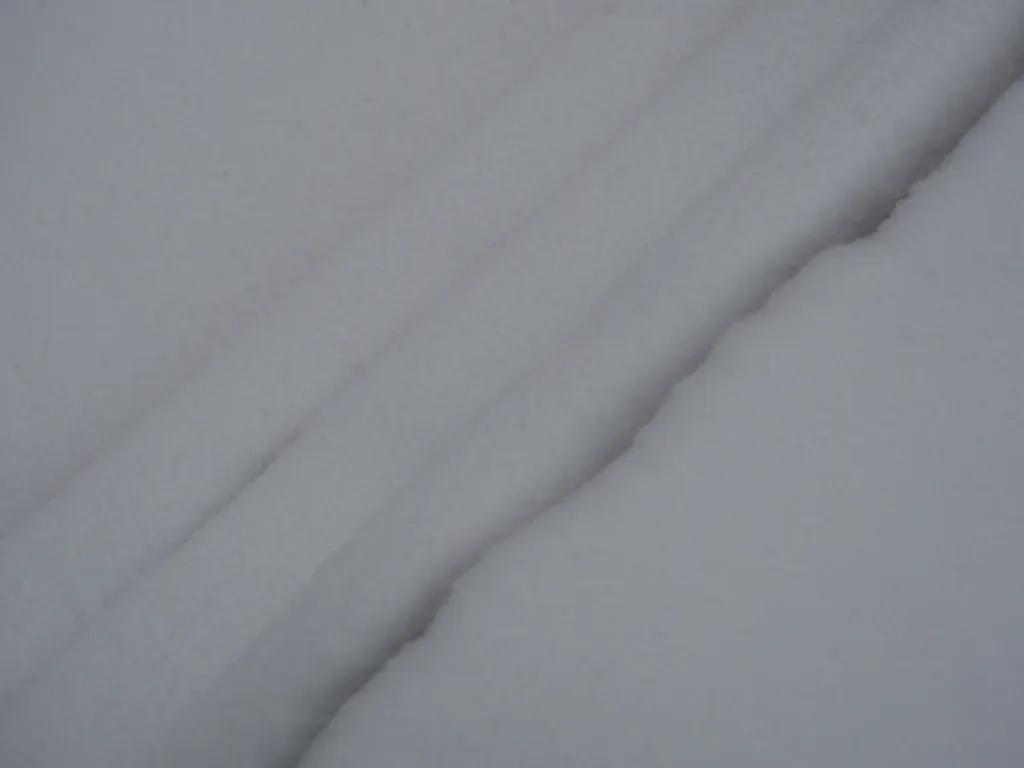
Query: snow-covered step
[811,557]
[237,572]
[500,173]
[193,454]
[843,159]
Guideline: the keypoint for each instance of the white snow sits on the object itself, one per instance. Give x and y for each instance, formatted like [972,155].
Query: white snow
[309,307]
[810,557]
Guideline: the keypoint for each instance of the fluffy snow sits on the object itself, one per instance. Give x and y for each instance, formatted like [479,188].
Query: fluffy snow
[309,307]
[811,557]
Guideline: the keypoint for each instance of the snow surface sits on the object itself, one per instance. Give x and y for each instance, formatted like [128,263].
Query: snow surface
[308,307]
[168,169]
[811,557]
[196,452]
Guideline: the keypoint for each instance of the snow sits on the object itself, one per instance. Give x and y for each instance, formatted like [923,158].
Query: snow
[550,432]
[168,171]
[461,255]
[810,557]
[207,442]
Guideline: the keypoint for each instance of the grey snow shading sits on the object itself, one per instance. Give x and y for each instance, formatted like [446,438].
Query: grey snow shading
[249,458]
[811,557]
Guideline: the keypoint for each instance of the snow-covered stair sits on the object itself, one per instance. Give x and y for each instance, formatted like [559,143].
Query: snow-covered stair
[560,423]
[812,555]
[228,574]
[209,439]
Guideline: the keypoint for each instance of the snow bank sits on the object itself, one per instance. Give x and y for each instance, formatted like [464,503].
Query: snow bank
[811,557]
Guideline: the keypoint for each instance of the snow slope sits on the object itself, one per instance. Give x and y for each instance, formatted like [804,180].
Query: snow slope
[810,557]
[473,342]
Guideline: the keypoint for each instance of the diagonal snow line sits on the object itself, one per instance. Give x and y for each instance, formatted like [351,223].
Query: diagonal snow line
[711,228]
[875,210]
[415,609]
[208,442]
[742,47]
[240,545]
[183,449]
[958,235]
[288,299]
[483,259]
[860,197]
[975,103]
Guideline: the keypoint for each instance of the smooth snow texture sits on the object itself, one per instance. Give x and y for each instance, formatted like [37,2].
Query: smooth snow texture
[194,453]
[555,427]
[230,579]
[496,324]
[811,557]
[168,169]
